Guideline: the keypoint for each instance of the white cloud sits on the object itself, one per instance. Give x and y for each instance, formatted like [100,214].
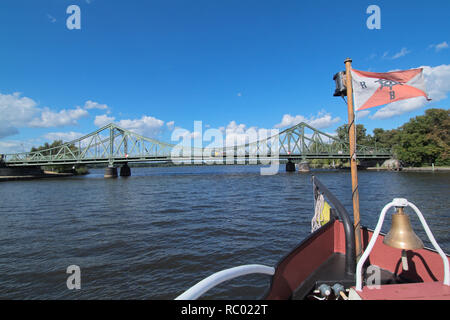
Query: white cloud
[233,127]
[403,52]
[322,120]
[239,134]
[236,134]
[64,136]
[170,125]
[437,81]
[146,125]
[103,120]
[440,46]
[399,107]
[51,18]
[361,114]
[184,135]
[233,134]
[14,146]
[289,121]
[94,105]
[49,118]
[196,135]
[17,111]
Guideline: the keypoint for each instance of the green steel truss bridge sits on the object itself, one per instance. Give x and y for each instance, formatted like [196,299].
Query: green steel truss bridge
[113,146]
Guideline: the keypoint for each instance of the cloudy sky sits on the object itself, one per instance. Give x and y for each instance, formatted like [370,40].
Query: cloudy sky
[155,66]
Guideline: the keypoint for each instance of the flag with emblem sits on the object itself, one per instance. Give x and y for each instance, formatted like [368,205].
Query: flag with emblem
[371,89]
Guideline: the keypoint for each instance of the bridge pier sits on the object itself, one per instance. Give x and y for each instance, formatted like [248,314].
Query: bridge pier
[2,162]
[290,166]
[303,166]
[110,172]
[125,170]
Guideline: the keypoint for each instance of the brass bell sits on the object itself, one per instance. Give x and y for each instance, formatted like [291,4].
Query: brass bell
[402,235]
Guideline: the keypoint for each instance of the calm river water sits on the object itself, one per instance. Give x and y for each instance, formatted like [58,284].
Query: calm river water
[160,231]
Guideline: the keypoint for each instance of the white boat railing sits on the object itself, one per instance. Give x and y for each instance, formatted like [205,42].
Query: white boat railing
[215,279]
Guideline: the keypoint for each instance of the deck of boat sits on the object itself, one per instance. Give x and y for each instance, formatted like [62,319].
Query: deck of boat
[332,271]
[407,291]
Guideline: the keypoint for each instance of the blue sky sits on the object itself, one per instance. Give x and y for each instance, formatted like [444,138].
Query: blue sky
[153,66]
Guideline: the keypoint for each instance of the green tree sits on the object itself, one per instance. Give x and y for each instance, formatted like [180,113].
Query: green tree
[361,134]
[384,138]
[44,150]
[55,144]
[425,139]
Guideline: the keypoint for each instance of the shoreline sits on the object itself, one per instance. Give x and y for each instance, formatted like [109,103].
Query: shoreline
[46,174]
[50,174]
[413,169]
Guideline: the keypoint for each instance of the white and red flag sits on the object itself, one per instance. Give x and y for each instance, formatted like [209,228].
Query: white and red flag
[371,89]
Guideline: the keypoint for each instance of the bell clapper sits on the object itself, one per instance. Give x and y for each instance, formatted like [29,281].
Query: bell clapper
[404,260]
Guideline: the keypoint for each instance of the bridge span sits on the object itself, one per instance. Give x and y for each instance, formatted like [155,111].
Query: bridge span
[115,146]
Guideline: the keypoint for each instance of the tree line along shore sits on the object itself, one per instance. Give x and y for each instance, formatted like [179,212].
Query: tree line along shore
[422,142]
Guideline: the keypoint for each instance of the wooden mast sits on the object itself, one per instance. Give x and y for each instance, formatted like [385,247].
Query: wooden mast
[353,165]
